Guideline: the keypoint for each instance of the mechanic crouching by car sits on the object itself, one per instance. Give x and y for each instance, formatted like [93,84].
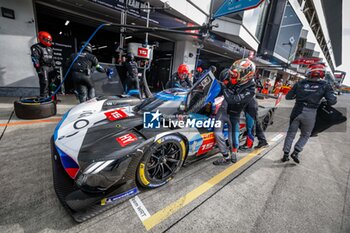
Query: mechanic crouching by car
[239,93]
[308,94]
[81,72]
[181,79]
[42,58]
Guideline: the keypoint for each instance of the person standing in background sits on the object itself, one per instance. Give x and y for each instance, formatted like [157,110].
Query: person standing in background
[277,88]
[266,87]
[132,73]
[42,58]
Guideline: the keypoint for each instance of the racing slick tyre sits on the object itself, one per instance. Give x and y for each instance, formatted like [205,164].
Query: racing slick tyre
[161,162]
[34,108]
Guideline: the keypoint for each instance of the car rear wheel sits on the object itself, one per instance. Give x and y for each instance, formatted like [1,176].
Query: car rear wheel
[161,162]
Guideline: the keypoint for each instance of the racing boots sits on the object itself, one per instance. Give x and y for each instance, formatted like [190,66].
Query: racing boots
[295,156]
[233,157]
[261,144]
[285,157]
[225,160]
[245,148]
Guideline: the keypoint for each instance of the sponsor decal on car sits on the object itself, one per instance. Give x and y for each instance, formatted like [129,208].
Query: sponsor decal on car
[109,200]
[207,136]
[126,139]
[82,123]
[116,114]
[208,143]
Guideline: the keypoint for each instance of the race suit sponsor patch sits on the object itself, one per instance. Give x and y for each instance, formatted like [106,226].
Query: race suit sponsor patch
[126,139]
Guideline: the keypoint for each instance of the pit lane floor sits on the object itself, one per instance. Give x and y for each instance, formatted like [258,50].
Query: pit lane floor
[261,195]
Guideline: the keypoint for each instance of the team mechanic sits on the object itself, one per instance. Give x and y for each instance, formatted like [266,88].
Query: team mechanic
[42,58]
[224,118]
[81,72]
[132,73]
[308,94]
[181,78]
[239,94]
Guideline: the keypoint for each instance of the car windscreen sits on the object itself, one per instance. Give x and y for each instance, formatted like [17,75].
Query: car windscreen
[166,107]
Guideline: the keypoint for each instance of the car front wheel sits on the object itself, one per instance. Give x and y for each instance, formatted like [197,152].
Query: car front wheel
[161,162]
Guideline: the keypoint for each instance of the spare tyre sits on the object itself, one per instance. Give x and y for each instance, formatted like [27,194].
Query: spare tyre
[34,108]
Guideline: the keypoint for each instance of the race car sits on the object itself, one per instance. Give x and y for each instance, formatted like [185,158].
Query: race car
[106,150]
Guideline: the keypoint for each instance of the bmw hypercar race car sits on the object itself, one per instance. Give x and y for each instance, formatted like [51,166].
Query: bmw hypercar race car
[106,150]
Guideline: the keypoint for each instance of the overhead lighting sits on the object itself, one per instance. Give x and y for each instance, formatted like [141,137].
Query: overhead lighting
[102,47]
[60,33]
[66,23]
[128,37]
[132,23]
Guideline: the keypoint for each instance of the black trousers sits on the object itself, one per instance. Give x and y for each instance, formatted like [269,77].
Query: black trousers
[84,85]
[252,110]
[259,132]
[45,74]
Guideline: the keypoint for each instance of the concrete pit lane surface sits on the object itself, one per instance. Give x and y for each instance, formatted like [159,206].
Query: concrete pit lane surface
[258,194]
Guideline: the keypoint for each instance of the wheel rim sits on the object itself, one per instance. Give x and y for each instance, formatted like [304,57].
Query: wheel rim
[164,161]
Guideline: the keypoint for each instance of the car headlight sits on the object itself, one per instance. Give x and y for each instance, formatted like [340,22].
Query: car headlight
[101,175]
[93,179]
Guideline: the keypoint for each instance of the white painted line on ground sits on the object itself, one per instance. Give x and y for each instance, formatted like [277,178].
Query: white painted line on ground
[139,208]
[277,137]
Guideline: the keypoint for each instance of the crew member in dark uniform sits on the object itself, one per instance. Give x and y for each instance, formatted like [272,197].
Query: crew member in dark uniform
[258,83]
[253,109]
[42,57]
[81,73]
[224,118]
[198,74]
[239,94]
[308,94]
[132,73]
[181,78]
[213,69]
